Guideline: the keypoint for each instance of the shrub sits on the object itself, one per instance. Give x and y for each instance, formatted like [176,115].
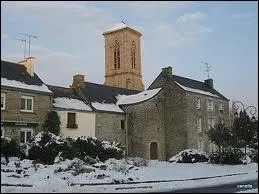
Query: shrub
[254,156]
[189,156]
[137,161]
[229,156]
[46,146]
[52,123]
[9,147]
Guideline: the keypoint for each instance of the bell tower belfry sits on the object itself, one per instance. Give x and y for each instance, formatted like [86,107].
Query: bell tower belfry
[123,57]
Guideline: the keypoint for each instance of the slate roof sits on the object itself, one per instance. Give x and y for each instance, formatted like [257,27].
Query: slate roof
[194,84]
[17,72]
[92,92]
[190,83]
[103,93]
[59,91]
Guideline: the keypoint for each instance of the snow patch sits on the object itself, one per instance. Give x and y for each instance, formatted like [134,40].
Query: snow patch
[17,84]
[70,103]
[135,98]
[107,107]
[197,91]
[117,27]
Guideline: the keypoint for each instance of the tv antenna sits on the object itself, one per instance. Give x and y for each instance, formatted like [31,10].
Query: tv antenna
[30,36]
[208,68]
[24,45]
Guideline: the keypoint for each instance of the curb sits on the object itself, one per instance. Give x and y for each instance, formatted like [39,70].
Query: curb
[159,181]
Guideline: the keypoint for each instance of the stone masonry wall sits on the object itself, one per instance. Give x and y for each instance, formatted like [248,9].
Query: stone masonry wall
[42,104]
[175,119]
[146,125]
[108,127]
[192,115]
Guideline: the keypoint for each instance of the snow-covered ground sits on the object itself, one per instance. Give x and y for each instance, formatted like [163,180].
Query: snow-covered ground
[60,176]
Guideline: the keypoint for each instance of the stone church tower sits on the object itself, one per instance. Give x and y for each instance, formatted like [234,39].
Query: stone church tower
[123,58]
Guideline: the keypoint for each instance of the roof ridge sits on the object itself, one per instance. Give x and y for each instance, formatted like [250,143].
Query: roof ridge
[103,85]
[189,78]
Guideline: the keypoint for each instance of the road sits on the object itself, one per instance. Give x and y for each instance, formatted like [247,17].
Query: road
[226,188]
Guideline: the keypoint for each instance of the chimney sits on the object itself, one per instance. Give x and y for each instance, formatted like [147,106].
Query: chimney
[29,64]
[167,71]
[78,81]
[209,83]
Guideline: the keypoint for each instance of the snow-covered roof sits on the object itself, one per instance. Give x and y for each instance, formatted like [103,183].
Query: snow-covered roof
[17,84]
[119,26]
[197,91]
[135,98]
[107,107]
[70,103]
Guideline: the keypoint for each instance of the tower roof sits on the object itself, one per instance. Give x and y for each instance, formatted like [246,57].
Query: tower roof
[120,26]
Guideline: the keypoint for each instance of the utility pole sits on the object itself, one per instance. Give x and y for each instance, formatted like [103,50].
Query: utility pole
[24,45]
[30,36]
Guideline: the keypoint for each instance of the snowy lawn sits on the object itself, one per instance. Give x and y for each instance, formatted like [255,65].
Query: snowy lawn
[60,176]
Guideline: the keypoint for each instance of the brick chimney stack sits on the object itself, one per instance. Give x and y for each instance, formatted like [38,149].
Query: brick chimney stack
[167,71]
[78,81]
[29,63]
[209,83]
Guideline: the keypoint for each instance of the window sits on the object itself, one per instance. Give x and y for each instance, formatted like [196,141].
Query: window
[2,101]
[71,120]
[122,124]
[210,105]
[198,103]
[213,148]
[25,135]
[27,103]
[199,126]
[211,122]
[221,107]
[133,55]
[2,131]
[200,145]
[116,55]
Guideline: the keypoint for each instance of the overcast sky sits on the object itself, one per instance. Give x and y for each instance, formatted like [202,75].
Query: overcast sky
[178,34]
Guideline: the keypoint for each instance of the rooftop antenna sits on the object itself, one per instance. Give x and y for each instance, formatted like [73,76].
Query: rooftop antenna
[208,68]
[30,36]
[24,45]
[123,21]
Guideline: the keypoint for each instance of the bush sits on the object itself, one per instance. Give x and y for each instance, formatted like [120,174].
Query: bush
[254,156]
[46,146]
[9,147]
[229,156]
[137,161]
[52,123]
[189,156]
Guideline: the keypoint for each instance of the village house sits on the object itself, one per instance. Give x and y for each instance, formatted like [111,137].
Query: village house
[25,100]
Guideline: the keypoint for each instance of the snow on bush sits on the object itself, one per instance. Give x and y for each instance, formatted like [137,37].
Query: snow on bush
[137,161]
[48,148]
[228,156]
[189,156]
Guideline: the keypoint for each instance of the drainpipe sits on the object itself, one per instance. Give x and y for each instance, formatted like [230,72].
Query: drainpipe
[126,135]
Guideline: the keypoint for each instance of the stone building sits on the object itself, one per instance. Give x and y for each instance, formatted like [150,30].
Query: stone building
[25,100]
[176,118]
